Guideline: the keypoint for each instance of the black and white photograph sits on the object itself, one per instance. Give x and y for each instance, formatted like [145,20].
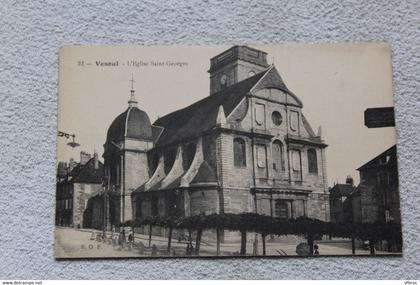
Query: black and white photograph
[226,151]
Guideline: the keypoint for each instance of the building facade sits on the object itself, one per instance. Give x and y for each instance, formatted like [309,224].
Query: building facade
[341,202]
[247,147]
[378,192]
[77,183]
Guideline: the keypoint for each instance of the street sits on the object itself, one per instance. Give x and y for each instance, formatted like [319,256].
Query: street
[77,243]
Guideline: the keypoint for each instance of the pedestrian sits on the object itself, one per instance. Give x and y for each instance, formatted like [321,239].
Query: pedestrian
[316,252]
[255,246]
[130,238]
[123,237]
[154,250]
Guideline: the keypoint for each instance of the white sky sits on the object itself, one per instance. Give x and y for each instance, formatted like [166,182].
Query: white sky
[335,82]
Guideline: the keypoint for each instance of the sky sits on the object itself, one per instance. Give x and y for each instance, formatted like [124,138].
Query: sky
[336,83]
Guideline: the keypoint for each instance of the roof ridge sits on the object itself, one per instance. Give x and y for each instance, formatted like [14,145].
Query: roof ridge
[376,157]
[219,93]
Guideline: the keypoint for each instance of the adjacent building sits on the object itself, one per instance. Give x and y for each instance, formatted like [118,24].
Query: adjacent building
[378,190]
[375,199]
[246,147]
[76,184]
[341,201]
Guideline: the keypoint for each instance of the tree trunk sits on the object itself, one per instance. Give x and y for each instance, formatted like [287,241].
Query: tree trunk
[243,242]
[353,246]
[198,241]
[263,243]
[218,241]
[169,239]
[311,244]
[150,235]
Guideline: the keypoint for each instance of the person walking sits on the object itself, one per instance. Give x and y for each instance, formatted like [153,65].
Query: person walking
[316,252]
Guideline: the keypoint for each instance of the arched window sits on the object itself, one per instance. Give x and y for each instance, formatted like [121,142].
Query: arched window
[239,154]
[312,161]
[281,209]
[278,160]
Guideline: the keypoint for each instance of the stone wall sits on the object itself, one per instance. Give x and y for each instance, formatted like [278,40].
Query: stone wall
[203,201]
[82,192]
[318,206]
[135,174]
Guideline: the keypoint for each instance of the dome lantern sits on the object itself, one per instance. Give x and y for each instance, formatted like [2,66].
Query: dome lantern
[133,101]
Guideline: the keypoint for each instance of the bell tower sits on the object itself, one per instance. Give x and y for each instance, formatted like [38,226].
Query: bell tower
[234,65]
[129,137]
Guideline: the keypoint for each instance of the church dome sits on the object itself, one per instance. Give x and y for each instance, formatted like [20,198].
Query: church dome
[133,123]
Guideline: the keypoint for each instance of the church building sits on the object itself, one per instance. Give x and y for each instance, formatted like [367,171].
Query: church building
[246,147]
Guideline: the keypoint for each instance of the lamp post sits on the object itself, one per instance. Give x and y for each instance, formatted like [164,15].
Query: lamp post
[106,208]
[104,191]
[73,144]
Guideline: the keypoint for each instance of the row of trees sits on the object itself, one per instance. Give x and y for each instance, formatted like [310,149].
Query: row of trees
[267,225]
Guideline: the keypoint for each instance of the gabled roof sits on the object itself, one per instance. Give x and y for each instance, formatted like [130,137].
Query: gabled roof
[201,116]
[273,79]
[375,162]
[87,173]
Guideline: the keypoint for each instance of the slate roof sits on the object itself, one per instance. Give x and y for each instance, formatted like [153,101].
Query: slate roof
[205,174]
[392,152]
[342,190]
[133,123]
[356,191]
[87,173]
[201,116]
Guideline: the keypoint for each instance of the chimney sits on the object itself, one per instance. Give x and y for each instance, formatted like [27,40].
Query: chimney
[349,180]
[84,157]
[95,157]
[62,169]
[72,164]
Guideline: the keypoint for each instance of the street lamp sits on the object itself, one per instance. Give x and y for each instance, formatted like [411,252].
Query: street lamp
[73,144]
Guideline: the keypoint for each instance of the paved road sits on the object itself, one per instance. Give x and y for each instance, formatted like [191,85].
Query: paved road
[71,243]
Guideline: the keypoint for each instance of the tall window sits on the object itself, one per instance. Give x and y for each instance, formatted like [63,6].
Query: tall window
[239,154]
[281,210]
[278,160]
[296,160]
[312,161]
[155,210]
[138,208]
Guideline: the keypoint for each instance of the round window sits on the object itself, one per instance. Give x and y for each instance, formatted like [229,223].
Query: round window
[277,118]
[251,73]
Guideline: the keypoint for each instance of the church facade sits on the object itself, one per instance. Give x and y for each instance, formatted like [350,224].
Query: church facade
[247,147]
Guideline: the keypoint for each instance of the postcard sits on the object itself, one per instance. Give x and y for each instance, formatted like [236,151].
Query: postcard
[226,151]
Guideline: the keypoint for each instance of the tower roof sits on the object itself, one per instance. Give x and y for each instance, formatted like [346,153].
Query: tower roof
[132,123]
